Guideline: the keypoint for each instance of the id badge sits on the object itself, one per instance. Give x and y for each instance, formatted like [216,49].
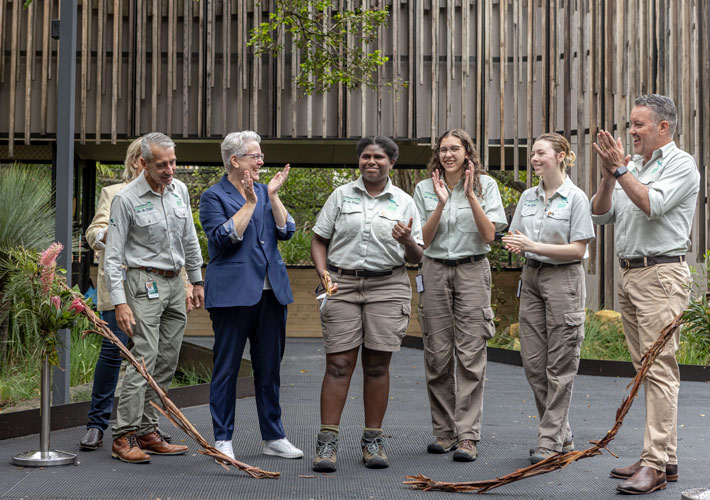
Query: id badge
[520,287]
[151,288]
[419,280]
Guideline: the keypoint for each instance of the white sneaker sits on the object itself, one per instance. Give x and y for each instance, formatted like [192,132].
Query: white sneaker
[225,447]
[282,448]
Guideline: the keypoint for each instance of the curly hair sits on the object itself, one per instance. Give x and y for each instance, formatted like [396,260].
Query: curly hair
[471,154]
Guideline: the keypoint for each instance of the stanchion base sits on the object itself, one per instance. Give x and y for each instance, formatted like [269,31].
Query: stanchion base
[44,459]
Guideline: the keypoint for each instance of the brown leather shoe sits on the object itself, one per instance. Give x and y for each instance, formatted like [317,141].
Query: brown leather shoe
[627,472]
[645,480]
[126,449]
[155,444]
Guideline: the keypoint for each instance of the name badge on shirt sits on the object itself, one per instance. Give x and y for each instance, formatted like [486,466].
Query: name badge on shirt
[151,288]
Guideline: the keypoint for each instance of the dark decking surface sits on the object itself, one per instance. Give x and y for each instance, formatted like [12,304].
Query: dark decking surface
[509,429]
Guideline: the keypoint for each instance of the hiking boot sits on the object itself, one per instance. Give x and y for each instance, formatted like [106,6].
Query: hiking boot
[442,445]
[542,454]
[567,446]
[466,451]
[373,450]
[326,451]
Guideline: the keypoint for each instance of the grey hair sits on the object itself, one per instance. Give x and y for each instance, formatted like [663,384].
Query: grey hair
[157,139]
[662,107]
[235,144]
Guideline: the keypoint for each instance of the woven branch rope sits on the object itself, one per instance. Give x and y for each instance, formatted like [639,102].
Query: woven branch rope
[169,409]
[560,460]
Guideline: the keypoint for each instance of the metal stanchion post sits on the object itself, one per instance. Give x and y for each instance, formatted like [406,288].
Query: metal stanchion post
[44,457]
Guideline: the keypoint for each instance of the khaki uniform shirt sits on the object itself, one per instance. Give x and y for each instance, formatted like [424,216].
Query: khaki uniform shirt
[359,226]
[457,235]
[564,218]
[150,230]
[673,183]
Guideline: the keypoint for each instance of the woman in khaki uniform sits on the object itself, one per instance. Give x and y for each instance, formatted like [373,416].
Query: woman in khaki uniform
[551,228]
[460,210]
[365,232]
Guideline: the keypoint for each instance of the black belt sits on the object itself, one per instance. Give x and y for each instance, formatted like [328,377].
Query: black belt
[162,272]
[650,261]
[363,273]
[536,264]
[458,262]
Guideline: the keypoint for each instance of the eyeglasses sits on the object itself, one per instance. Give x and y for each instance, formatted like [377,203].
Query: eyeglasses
[452,150]
[254,156]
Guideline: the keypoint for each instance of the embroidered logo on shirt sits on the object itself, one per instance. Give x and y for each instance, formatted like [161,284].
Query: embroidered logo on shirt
[145,207]
[659,164]
[351,199]
[431,196]
[392,206]
[562,203]
[178,200]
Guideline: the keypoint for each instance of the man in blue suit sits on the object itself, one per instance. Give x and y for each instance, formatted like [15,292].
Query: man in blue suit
[247,289]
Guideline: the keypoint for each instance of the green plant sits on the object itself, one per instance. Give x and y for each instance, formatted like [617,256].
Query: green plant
[297,250]
[39,301]
[191,374]
[604,339]
[331,43]
[695,333]
[84,354]
[201,236]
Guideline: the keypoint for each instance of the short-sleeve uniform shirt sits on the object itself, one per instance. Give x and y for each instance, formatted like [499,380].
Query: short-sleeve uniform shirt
[565,217]
[359,226]
[457,235]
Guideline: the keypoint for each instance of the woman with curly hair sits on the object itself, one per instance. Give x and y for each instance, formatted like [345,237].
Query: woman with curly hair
[551,228]
[460,210]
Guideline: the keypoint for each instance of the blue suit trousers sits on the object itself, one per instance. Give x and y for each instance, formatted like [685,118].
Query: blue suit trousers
[264,324]
[106,376]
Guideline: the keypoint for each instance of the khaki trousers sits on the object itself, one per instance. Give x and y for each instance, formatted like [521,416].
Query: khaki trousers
[157,336]
[551,332]
[649,299]
[456,320]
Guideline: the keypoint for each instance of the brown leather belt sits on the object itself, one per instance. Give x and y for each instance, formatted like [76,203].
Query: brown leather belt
[458,262]
[363,273]
[536,264]
[162,272]
[650,261]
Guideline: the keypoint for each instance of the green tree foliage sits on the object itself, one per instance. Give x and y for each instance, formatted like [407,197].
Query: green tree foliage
[321,33]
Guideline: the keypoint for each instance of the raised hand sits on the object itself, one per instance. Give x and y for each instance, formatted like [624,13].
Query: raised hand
[248,184]
[518,243]
[468,181]
[611,152]
[402,233]
[278,180]
[439,187]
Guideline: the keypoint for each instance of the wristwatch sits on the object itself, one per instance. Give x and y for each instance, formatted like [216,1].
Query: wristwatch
[199,283]
[620,171]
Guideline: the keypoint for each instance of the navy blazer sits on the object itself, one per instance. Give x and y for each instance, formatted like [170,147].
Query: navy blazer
[235,273]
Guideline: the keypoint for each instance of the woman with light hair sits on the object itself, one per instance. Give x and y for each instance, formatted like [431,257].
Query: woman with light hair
[247,289]
[551,228]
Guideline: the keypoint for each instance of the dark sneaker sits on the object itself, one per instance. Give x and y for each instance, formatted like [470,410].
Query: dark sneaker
[442,445]
[373,450]
[542,454]
[326,451]
[466,451]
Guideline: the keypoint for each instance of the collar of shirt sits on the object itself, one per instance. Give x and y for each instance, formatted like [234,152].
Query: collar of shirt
[661,152]
[388,190]
[563,190]
[142,186]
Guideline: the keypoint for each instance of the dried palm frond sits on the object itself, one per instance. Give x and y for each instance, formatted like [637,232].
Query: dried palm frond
[169,409]
[560,460]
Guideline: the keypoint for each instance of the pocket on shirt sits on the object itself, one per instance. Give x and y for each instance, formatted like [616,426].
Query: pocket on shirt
[181,219]
[560,213]
[350,220]
[385,222]
[150,225]
[465,221]
[528,211]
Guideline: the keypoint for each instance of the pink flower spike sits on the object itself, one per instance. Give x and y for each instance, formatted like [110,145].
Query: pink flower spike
[77,306]
[56,302]
[48,263]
